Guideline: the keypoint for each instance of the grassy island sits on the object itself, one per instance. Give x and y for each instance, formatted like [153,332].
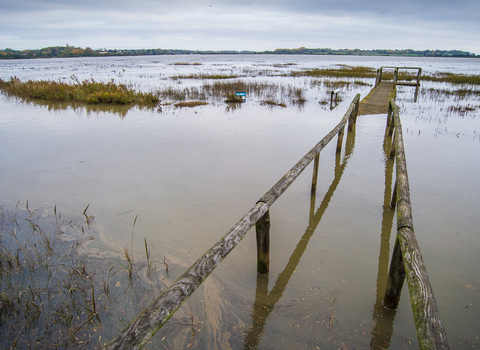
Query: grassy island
[88,91]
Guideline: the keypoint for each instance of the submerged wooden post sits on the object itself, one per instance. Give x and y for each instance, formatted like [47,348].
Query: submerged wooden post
[263,243]
[396,277]
[393,203]
[340,139]
[352,119]
[389,127]
[392,149]
[379,76]
[315,173]
[418,76]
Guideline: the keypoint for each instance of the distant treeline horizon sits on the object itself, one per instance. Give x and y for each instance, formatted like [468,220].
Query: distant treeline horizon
[72,51]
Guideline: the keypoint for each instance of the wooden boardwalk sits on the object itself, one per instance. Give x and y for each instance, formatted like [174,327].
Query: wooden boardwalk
[376,102]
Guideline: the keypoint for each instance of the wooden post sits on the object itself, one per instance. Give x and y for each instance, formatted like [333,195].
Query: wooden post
[418,76]
[315,173]
[263,243]
[352,119]
[392,150]
[379,76]
[416,93]
[340,139]
[396,277]
[395,78]
[393,202]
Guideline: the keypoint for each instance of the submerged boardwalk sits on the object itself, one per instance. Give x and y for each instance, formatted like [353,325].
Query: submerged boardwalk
[376,102]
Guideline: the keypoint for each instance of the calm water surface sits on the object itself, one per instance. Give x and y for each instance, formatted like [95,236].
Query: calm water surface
[186,176]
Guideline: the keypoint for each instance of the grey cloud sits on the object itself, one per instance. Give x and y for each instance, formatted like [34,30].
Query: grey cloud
[264,24]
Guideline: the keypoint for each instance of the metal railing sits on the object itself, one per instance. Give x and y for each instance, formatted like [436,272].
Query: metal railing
[150,320]
[407,260]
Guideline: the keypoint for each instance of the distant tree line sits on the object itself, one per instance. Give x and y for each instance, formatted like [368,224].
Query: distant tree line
[72,51]
[406,52]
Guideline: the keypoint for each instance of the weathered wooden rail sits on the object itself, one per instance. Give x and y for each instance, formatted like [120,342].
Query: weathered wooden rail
[145,325]
[407,260]
[396,75]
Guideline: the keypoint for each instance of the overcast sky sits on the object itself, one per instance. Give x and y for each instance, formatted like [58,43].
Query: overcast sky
[241,25]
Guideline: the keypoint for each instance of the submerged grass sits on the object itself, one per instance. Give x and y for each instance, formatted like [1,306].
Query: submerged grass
[87,91]
[452,78]
[225,91]
[52,296]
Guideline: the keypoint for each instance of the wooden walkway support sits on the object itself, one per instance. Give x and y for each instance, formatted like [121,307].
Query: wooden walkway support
[145,325]
[407,260]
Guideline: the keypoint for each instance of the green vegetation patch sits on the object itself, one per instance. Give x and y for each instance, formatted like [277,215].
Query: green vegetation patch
[88,91]
[342,71]
[272,103]
[190,104]
[233,98]
[453,78]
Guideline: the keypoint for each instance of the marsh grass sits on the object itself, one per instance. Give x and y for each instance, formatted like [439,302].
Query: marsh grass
[190,104]
[200,76]
[343,71]
[87,91]
[225,91]
[458,93]
[452,78]
[52,295]
[462,110]
[233,98]
[272,103]
[187,64]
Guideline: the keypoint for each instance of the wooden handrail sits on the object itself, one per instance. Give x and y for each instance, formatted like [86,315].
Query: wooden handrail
[395,79]
[150,320]
[407,259]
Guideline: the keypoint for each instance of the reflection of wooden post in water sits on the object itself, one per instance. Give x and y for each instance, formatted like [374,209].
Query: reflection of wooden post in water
[382,317]
[263,243]
[352,119]
[265,301]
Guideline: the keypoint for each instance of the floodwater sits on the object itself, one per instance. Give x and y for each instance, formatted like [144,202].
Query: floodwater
[181,178]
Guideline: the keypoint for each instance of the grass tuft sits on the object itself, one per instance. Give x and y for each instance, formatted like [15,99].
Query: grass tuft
[190,104]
